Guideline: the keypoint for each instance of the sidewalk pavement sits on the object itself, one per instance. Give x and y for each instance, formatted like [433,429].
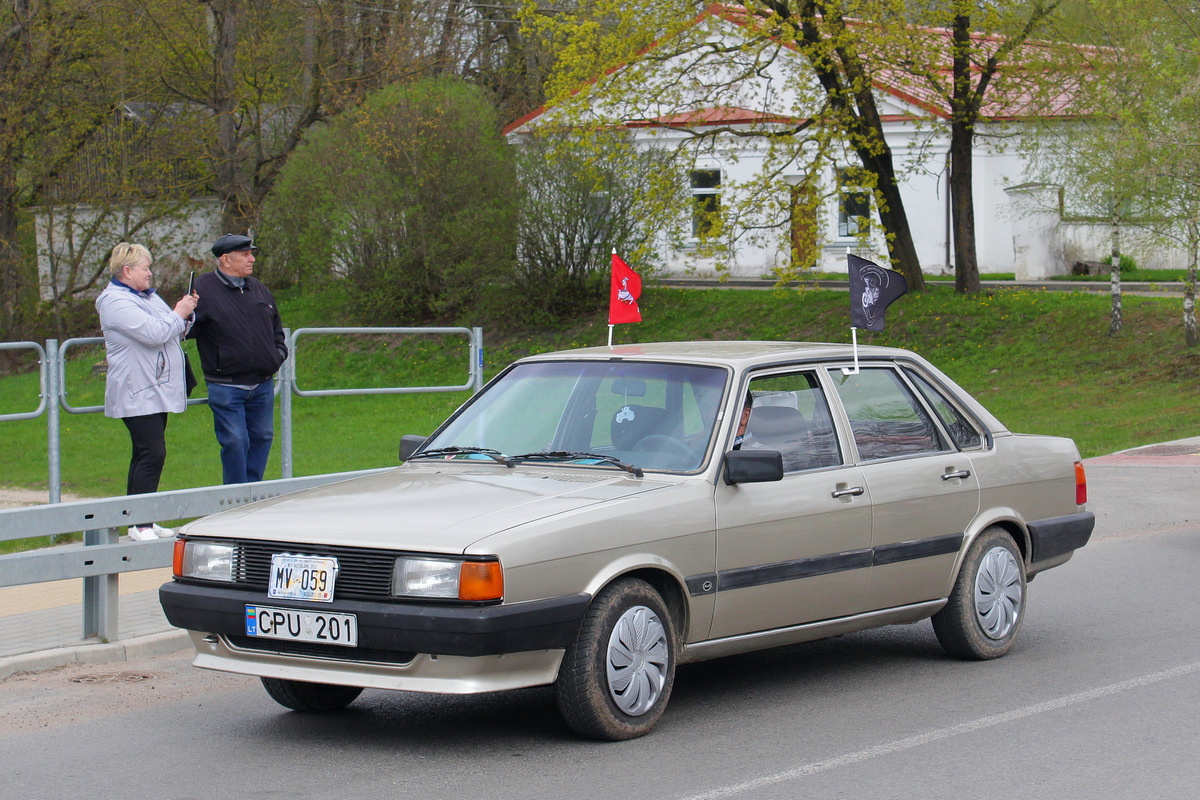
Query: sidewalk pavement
[41,625]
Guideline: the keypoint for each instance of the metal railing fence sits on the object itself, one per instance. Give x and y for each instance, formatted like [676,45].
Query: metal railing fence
[53,390]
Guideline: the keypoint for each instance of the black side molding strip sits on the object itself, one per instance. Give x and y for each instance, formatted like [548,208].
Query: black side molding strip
[920,548]
[792,570]
[761,575]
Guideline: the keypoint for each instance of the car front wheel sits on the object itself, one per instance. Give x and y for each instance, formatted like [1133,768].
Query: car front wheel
[311,697]
[616,677]
[985,609]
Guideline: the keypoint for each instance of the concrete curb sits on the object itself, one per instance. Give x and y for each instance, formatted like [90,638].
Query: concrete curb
[156,644]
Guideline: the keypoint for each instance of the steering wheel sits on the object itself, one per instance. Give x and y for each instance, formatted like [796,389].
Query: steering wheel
[661,443]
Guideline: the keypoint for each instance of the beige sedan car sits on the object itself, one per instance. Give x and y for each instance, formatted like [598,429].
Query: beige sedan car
[595,517]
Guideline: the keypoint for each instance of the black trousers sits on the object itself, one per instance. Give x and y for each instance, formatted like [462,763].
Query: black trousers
[149,435]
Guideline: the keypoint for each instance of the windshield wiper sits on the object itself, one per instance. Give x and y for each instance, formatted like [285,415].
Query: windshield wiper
[495,455]
[567,455]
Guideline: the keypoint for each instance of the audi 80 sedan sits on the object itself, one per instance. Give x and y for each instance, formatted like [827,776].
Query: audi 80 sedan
[593,518]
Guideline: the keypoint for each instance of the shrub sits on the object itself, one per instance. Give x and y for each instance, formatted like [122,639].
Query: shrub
[582,196]
[409,199]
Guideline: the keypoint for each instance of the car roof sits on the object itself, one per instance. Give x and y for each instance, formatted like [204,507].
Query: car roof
[746,355]
[737,354]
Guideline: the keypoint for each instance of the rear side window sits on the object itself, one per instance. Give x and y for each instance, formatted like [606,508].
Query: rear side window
[964,434]
[886,418]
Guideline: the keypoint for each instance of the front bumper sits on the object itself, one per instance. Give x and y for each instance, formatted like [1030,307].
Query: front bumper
[388,632]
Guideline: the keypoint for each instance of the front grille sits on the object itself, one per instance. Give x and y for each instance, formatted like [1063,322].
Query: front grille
[363,573]
[314,650]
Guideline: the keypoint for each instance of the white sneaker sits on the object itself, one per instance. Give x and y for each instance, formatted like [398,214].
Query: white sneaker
[143,534]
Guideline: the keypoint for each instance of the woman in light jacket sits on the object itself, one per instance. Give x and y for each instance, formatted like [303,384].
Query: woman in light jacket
[145,378]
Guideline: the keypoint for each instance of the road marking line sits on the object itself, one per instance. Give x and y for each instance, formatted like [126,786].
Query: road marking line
[945,733]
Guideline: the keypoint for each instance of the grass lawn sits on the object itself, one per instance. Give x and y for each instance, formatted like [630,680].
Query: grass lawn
[1043,362]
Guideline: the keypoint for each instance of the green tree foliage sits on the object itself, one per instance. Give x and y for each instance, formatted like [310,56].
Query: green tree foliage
[409,199]
[584,195]
[1132,159]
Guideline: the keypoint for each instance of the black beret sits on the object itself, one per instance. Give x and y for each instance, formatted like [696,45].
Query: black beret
[232,242]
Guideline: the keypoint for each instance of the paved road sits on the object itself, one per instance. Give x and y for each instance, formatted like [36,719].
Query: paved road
[1098,699]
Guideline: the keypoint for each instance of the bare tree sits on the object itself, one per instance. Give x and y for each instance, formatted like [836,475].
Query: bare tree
[48,57]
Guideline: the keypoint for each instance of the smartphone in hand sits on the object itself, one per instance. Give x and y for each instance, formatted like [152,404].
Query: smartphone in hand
[191,282]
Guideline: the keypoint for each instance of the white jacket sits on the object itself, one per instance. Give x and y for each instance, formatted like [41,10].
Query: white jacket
[145,359]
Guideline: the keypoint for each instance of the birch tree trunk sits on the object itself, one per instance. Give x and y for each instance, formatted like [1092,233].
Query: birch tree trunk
[1114,324]
[1189,291]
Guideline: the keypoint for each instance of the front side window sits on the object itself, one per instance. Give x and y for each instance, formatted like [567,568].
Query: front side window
[706,202]
[790,414]
[885,417]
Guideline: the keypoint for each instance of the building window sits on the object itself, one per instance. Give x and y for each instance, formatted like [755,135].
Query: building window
[854,206]
[706,202]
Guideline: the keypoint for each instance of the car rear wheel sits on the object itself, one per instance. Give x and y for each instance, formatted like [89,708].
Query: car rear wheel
[311,697]
[616,677]
[985,609]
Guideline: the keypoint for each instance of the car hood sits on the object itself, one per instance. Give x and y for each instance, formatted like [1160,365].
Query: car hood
[430,508]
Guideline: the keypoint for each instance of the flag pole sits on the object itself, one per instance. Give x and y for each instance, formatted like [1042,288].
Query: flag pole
[854,338]
[610,324]
[853,330]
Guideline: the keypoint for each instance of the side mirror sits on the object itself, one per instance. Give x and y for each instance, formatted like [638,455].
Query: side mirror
[753,466]
[409,444]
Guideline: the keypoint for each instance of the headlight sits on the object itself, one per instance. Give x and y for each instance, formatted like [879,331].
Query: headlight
[204,560]
[448,579]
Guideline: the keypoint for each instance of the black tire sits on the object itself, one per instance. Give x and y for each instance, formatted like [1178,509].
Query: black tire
[628,625]
[984,613]
[314,698]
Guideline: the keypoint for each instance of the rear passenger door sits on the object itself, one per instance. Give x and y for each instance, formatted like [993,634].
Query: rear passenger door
[923,490]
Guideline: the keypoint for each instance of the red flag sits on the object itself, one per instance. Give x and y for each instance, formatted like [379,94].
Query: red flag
[623,294]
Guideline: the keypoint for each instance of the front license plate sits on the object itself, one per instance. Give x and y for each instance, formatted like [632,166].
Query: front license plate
[302,626]
[302,577]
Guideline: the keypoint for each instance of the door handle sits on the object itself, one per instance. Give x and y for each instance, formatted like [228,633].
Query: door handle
[854,491]
[962,473]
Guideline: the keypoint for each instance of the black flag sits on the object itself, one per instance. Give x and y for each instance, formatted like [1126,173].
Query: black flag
[872,290]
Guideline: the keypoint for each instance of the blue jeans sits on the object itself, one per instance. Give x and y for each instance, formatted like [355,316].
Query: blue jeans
[244,421]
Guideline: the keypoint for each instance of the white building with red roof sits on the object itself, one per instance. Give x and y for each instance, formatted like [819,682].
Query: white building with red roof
[671,94]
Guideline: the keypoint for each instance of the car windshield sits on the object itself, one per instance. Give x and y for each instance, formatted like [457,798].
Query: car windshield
[640,414]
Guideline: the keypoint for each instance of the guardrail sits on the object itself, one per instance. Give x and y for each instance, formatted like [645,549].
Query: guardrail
[102,557]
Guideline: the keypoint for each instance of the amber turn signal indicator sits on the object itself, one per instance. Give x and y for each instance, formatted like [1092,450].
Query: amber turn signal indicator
[177,558]
[1080,484]
[481,580]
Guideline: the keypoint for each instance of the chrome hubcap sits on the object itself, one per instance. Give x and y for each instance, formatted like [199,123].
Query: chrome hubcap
[998,593]
[637,661]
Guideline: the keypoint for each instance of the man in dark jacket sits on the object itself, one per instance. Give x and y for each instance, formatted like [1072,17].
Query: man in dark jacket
[239,334]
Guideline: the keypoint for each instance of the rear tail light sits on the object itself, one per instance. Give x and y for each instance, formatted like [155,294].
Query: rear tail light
[1080,484]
